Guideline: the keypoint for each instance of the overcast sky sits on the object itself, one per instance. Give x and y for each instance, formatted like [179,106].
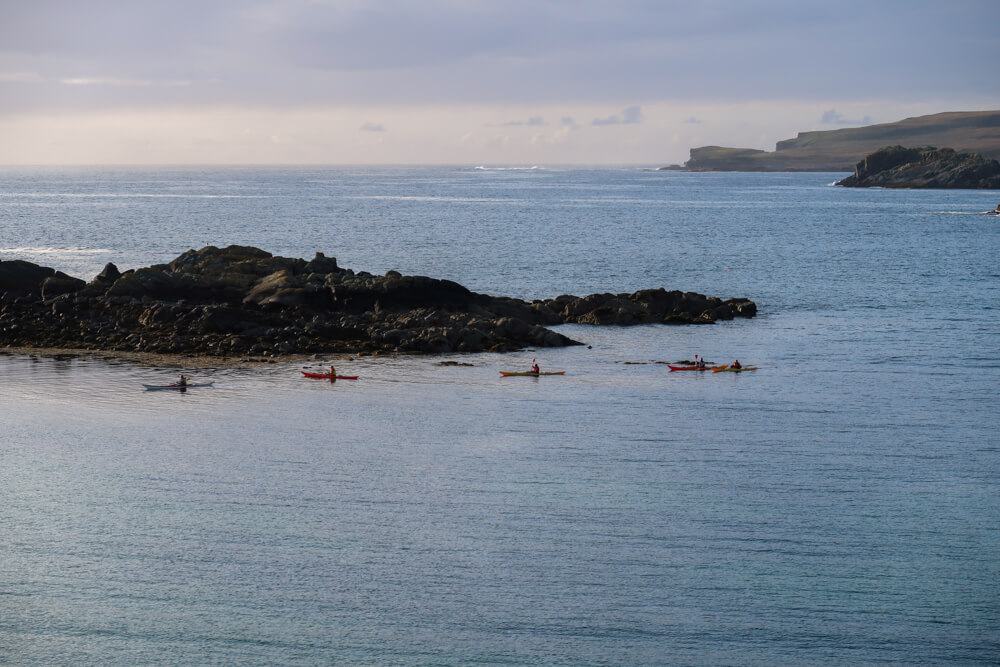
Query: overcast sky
[472,81]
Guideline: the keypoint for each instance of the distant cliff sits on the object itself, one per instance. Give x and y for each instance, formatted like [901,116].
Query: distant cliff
[840,150]
[898,167]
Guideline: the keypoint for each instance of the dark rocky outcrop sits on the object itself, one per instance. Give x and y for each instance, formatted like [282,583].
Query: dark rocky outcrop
[899,167]
[240,301]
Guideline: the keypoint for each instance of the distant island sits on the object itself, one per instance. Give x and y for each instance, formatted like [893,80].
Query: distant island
[840,150]
[241,302]
[899,167]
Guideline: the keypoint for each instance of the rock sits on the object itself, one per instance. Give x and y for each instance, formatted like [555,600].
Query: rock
[19,278]
[61,307]
[58,284]
[322,264]
[270,285]
[109,275]
[899,167]
[242,300]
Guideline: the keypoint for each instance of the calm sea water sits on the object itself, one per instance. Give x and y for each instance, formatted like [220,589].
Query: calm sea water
[841,505]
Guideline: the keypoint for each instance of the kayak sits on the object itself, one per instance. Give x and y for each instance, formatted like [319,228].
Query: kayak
[734,370]
[530,374]
[154,387]
[694,368]
[327,376]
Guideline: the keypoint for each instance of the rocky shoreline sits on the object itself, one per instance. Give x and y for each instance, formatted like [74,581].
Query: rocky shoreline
[241,302]
[899,167]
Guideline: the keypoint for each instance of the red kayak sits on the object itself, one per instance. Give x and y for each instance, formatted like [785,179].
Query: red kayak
[692,368]
[327,376]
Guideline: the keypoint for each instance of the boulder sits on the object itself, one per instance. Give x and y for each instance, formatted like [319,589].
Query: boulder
[109,274]
[19,278]
[267,287]
[322,264]
[59,284]
[152,282]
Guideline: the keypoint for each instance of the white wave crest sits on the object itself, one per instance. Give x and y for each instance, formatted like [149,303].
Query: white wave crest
[46,250]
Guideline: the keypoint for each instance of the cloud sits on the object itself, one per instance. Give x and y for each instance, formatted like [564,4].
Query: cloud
[126,83]
[831,117]
[693,121]
[373,127]
[568,121]
[307,53]
[630,116]
[534,121]
[21,77]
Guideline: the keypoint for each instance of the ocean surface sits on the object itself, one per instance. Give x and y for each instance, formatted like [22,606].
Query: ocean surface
[838,506]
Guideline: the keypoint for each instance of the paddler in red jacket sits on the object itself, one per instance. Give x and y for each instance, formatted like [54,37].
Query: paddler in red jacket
[534,367]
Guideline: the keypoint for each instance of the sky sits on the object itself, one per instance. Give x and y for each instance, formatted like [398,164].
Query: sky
[483,82]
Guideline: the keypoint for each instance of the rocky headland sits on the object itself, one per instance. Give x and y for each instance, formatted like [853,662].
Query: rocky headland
[899,167]
[841,149]
[241,301]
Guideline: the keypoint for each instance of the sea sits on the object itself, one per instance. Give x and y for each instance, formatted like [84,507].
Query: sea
[840,505]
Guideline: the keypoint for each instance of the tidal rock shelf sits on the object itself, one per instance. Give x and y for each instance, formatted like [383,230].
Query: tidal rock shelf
[241,301]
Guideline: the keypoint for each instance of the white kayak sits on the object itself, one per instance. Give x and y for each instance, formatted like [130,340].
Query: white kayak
[156,387]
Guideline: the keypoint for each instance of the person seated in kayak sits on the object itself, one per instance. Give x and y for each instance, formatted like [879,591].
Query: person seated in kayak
[183,382]
[736,364]
[700,363]
[333,372]
[534,367]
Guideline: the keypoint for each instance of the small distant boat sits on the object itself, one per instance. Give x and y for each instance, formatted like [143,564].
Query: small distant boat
[529,373]
[327,376]
[694,368]
[729,369]
[180,387]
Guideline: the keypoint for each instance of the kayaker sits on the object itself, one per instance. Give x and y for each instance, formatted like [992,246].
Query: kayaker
[736,364]
[700,363]
[534,367]
[183,382]
[333,373]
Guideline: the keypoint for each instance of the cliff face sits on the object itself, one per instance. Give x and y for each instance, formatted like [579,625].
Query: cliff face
[898,167]
[840,150]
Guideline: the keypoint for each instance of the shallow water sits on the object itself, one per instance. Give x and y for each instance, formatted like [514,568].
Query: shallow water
[836,506]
